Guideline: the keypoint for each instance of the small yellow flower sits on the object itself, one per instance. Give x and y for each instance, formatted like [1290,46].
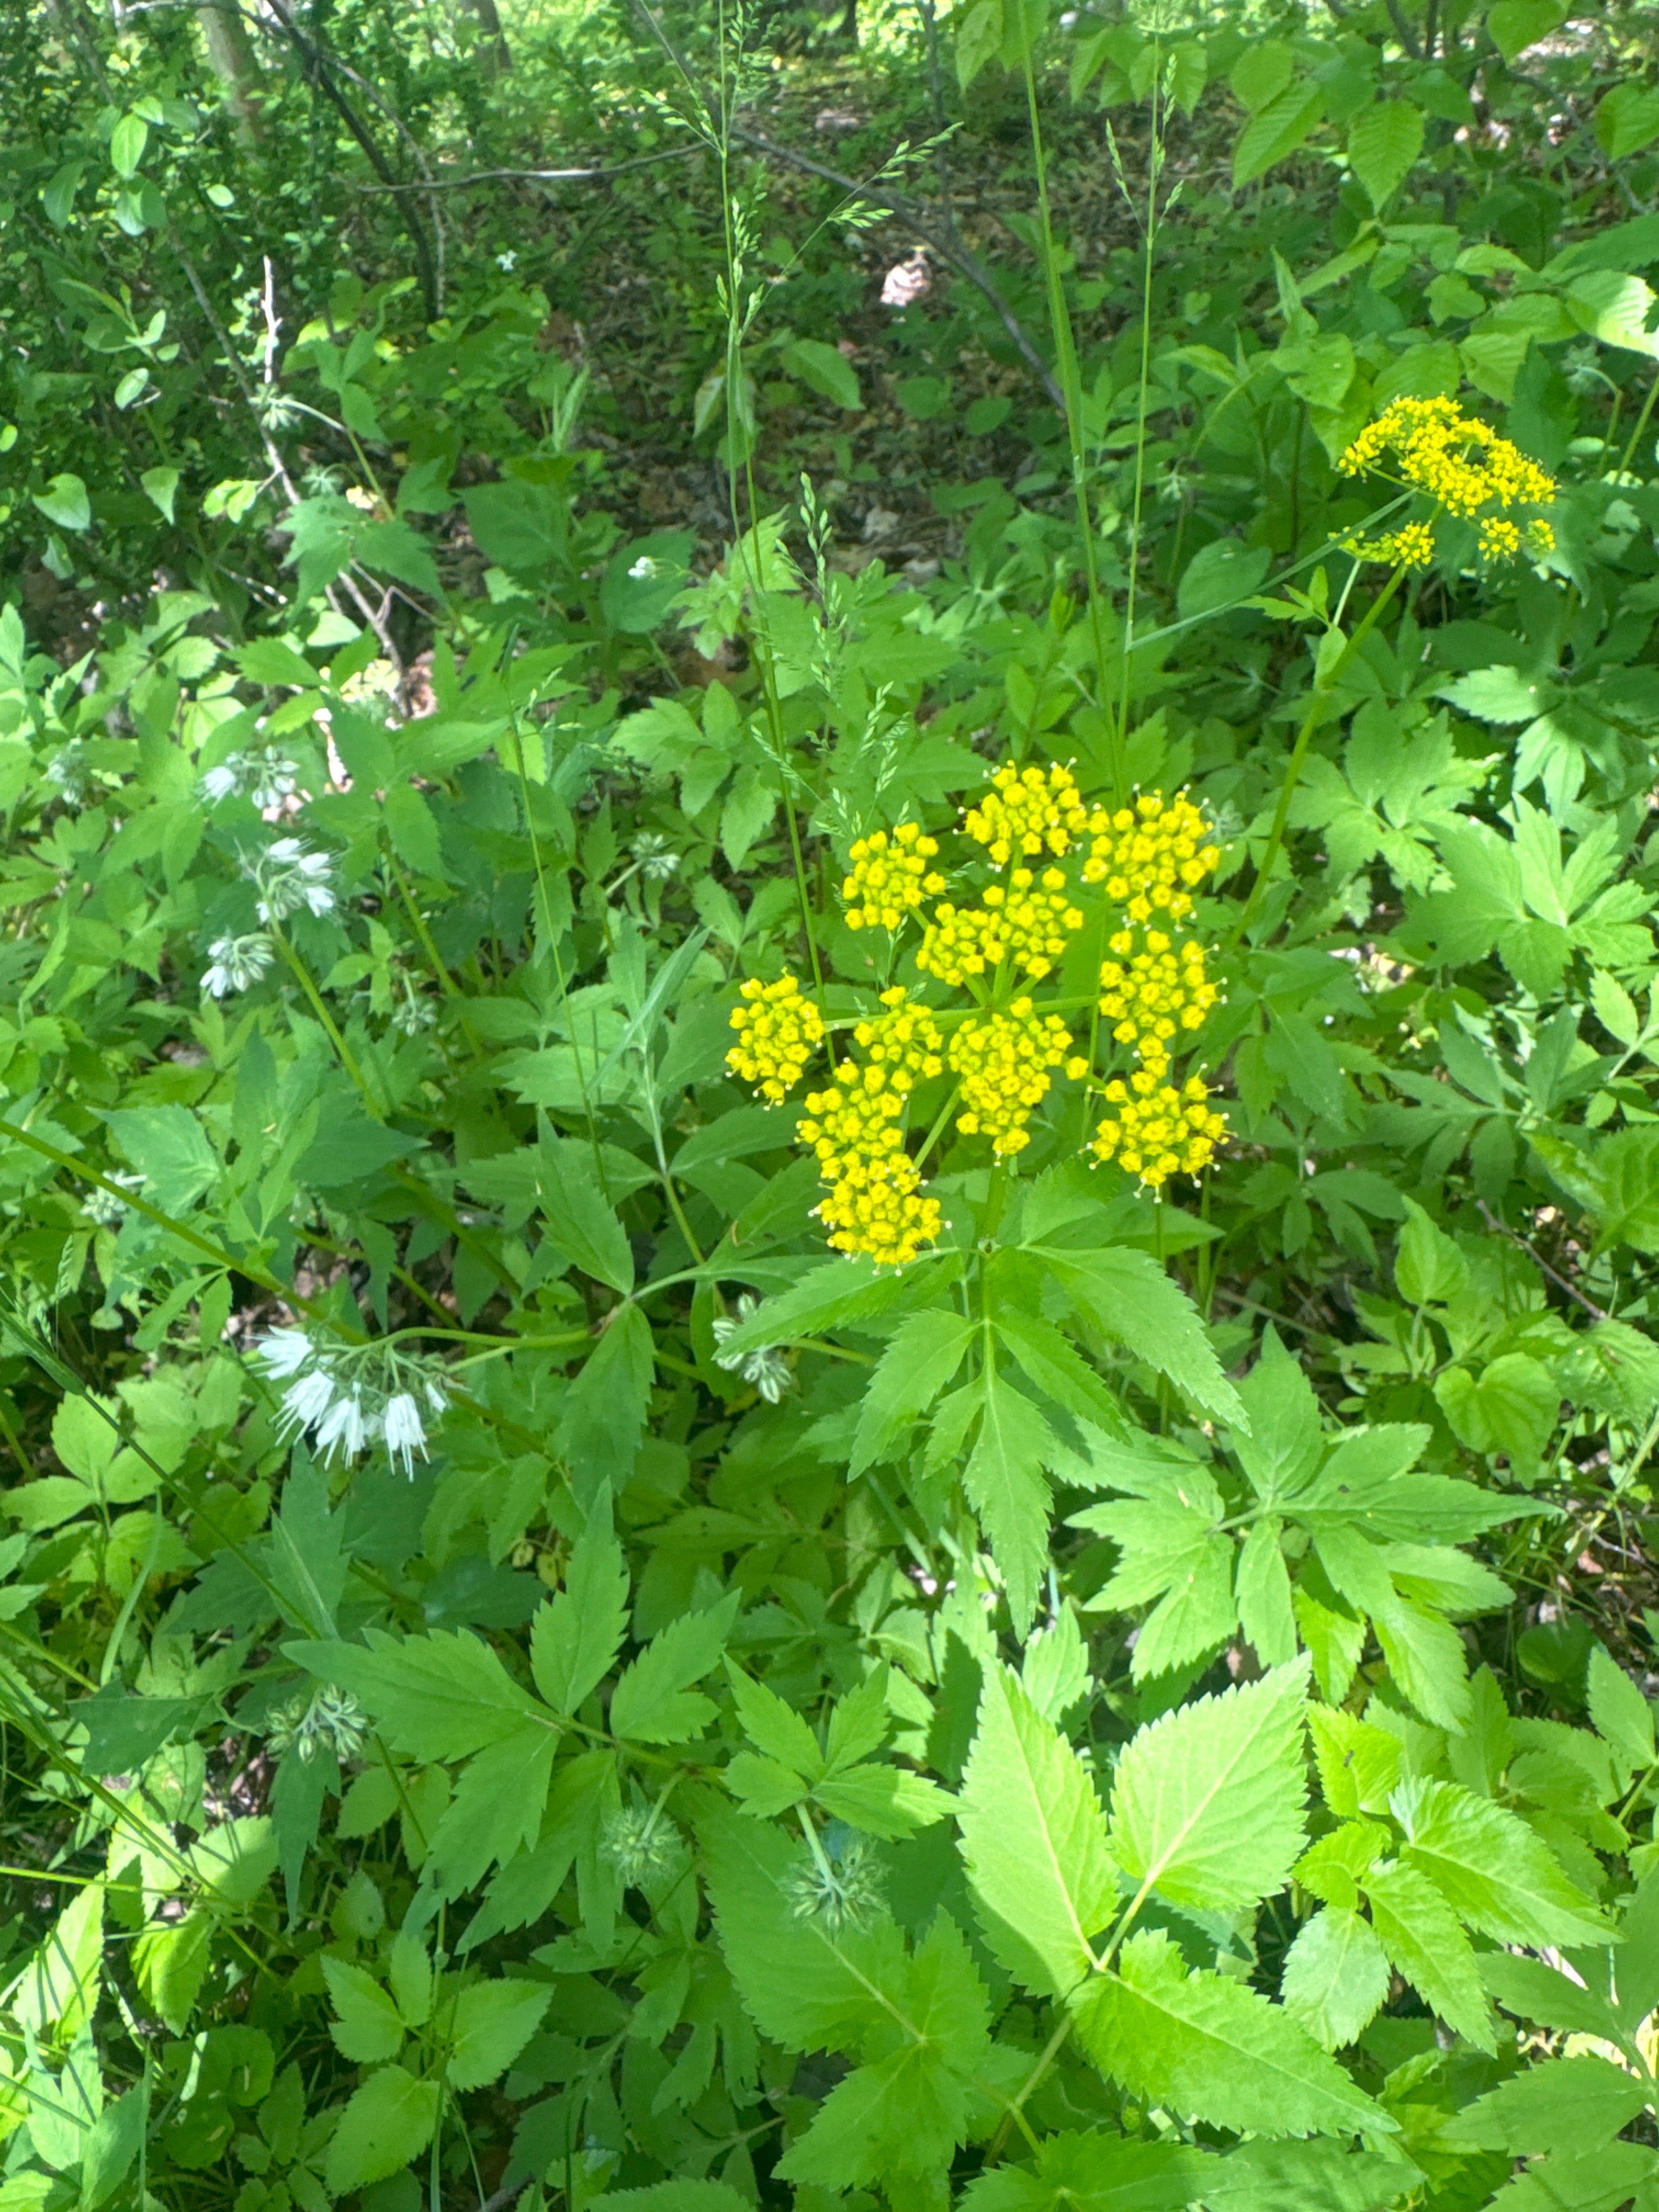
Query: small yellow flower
[874,1203]
[1151,858]
[1541,538]
[1026,812]
[1500,538]
[1003,1061]
[1459,462]
[904,1043]
[1411,546]
[1159,1131]
[1156,993]
[889,878]
[778,1032]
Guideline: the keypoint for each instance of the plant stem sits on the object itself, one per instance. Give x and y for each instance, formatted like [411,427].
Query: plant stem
[1072,394]
[1323,687]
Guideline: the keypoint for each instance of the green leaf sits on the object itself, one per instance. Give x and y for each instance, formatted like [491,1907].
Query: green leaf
[1130,1299]
[1005,1487]
[160,487]
[840,1291]
[653,1702]
[1515,25]
[1174,1549]
[806,1985]
[1096,2172]
[904,2112]
[1621,1714]
[1496,1872]
[492,2022]
[127,144]
[1034,1841]
[169,1145]
[1419,1930]
[1565,2105]
[888,1802]
[1206,2047]
[922,1355]
[824,369]
[1262,1585]
[1219,575]
[581,1224]
[575,1637]
[774,1727]
[1531,1990]
[366,2026]
[1335,1977]
[1208,1802]
[1316,2176]
[1626,120]
[58,198]
[385,2126]
[443,1696]
[64,501]
[1276,132]
[604,1409]
[1383,144]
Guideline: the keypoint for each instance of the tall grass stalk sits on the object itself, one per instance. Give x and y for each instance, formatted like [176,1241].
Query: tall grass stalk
[1071,385]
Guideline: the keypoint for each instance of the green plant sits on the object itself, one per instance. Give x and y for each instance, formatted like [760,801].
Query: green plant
[828,1381]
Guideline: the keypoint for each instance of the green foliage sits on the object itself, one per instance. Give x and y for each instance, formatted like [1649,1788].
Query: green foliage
[525,1676]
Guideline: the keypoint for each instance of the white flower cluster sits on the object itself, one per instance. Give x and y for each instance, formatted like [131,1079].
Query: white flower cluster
[266,775]
[348,1401]
[289,875]
[766,1371]
[237,961]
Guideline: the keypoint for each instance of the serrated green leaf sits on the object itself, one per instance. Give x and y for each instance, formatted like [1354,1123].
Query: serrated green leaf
[1383,143]
[1209,2048]
[1495,1871]
[653,1702]
[1034,1841]
[1335,1977]
[366,2026]
[492,2023]
[1419,1930]
[922,1355]
[1208,1801]
[575,1637]
[1566,2105]
[387,2123]
[1128,1298]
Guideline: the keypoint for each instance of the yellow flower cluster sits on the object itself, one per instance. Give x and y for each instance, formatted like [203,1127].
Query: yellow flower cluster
[1159,1131]
[1461,463]
[874,1203]
[905,1042]
[889,878]
[1146,862]
[1003,1061]
[1028,812]
[778,1032]
[1025,923]
[1151,995]
[1411,546]
[1151,858]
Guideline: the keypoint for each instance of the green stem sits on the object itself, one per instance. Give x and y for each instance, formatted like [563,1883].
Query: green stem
[1323,687]
[347,1057]
[1071,385]
[1641,422]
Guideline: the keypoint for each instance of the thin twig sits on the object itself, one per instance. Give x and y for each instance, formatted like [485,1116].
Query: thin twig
[541,176]
[1534,1254]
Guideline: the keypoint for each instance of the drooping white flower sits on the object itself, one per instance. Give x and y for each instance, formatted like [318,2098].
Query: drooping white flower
[405,1431]
[237,963]
[268,775]
[343,1430]
[307,1400]
[284,1351]
[643,569]
[290,875]
[507,261]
